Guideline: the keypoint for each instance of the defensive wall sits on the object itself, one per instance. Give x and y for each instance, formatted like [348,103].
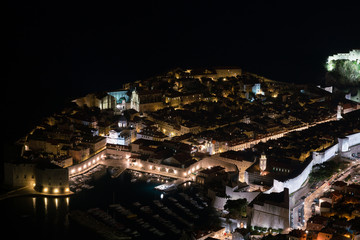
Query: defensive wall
[342,147]
[353,55]
[219,202]
[87,165]
[178,172]
[132,162]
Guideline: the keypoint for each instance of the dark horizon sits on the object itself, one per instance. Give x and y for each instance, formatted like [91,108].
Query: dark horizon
[58,52]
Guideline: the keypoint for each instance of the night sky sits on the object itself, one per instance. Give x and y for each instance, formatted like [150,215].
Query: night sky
[60,50]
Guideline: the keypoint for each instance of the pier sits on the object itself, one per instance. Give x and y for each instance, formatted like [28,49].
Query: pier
[172,185]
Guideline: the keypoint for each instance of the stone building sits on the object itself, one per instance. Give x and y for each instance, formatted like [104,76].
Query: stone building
[242,159]
[121,136]
[19,173]
[215,73]
[79,152]
[270,210]
[135,101]
[50,178]
[40,173]
[100,100]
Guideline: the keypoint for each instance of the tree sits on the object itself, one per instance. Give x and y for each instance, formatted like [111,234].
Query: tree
[236,208]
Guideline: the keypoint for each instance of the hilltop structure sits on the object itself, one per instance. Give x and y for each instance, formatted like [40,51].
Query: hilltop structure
[353,55]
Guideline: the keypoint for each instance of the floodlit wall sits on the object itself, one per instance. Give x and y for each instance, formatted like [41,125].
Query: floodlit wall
[216,161]
[270,216]
[317,158]
[330,152]
[228,72]
[137,164]
[353,55]
[151,107]
[241,165]
[219,202]
[343,144]
[86,165]
[52,180]
[292,184]
[19,174]
[178,171]
[354,139]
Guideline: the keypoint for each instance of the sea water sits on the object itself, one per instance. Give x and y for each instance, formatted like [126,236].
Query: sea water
[48,217]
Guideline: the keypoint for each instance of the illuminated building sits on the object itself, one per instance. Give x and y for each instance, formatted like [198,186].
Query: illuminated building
[151,133]
[208,175]
[51,179]
[43,177]
[122,123]
[120,95]
[256,89]
[280,176]
[100,100]
[135,101]
[263,162]
[80,152]
[339,112]
[121,136]
[353,55]
[20,173]
[215,73]
[270,210]
[176,99]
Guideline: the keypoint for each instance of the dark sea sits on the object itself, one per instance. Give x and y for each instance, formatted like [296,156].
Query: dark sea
[48,217]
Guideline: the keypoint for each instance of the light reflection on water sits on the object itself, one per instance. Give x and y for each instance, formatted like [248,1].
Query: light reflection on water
[41,217]
[48,217]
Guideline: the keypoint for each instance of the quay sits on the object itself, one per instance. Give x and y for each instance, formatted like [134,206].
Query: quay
[30,191]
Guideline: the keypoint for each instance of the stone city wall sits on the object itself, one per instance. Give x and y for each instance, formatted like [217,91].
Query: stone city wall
[353,55]
[241,165]
[270,216]
[86,165]
[354,139]
[178,172]
[317,158]
[219,202]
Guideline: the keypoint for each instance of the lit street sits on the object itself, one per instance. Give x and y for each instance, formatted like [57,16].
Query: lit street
[325,187]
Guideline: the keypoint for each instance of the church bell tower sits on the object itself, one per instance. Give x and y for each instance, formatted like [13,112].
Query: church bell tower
[339,111]
[263,162]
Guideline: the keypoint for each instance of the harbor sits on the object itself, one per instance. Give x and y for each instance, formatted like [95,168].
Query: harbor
[167,216]
[110,206]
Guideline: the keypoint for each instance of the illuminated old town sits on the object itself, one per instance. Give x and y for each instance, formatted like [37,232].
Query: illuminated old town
[189,152]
